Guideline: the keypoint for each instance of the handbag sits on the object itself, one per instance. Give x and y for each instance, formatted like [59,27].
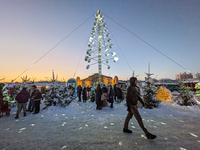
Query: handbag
[102,97]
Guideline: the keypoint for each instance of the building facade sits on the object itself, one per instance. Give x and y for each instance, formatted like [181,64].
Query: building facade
[198,75]
[89,81]
[184,76]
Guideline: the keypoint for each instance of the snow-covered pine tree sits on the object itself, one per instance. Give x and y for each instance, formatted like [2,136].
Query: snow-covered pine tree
[92,94]
[56,96]
[185,98]
[149,95]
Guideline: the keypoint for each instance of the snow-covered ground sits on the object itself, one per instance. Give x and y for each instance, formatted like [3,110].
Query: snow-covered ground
[80,126]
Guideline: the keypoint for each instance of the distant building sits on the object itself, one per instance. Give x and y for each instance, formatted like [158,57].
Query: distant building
[191,83]
[198,75]
[89,81]
[167,80]
[168,83]
[184,76]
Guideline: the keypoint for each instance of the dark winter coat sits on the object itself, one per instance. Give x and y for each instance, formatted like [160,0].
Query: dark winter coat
[104,90]
[84,94]
[110,95]
[79,90]
[88,89]
[119,93]
[98,97]
[115,90]
[32,93]
[38,96]
[132,94]
[23,96]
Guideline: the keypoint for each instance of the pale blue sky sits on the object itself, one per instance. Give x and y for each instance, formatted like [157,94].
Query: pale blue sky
[29,29]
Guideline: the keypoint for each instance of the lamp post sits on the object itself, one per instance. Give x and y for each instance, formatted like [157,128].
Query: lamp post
[99,44]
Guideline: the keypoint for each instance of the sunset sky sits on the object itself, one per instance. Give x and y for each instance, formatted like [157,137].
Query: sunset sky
[30,29]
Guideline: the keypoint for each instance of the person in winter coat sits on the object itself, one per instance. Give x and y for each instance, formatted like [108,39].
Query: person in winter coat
[104,95]
[98,97]
[31,105]
[84,94]
[79,91]
[37,98]
[131,100]
[115,92]
[119,94]
[22,98]
[110,96]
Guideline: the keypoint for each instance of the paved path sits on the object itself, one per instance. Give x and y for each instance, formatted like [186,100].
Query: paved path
[80,126]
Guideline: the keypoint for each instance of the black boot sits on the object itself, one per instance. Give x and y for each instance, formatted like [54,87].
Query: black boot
[111,106]
[24,114]
[150,136]
[127,130]
[17,116]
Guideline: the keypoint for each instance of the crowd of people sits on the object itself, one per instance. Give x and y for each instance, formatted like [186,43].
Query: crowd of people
[34,97]
[102,96]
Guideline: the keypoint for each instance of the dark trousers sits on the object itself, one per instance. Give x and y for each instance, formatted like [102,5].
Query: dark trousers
[79,97]
[37,106]
[31,105]
[134,111]
[115,97]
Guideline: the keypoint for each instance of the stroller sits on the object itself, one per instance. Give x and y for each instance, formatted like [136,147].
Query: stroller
[4,108]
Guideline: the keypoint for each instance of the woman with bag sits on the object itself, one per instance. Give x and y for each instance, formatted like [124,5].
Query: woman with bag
[98,97]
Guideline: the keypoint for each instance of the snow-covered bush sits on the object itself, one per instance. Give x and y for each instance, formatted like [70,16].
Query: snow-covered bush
[185,97]
[92,94]
[57,96]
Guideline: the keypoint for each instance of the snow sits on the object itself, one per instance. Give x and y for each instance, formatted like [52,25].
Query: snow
[81,126]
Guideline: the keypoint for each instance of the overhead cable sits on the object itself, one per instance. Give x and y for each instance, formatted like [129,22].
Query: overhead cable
[148,44]
[121,51]
[54,46]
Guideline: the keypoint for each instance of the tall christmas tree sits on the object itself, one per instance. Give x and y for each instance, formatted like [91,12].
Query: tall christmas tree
[149,92]
[99,45]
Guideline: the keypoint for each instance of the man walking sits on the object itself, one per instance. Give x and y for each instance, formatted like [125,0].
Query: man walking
[131,100]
